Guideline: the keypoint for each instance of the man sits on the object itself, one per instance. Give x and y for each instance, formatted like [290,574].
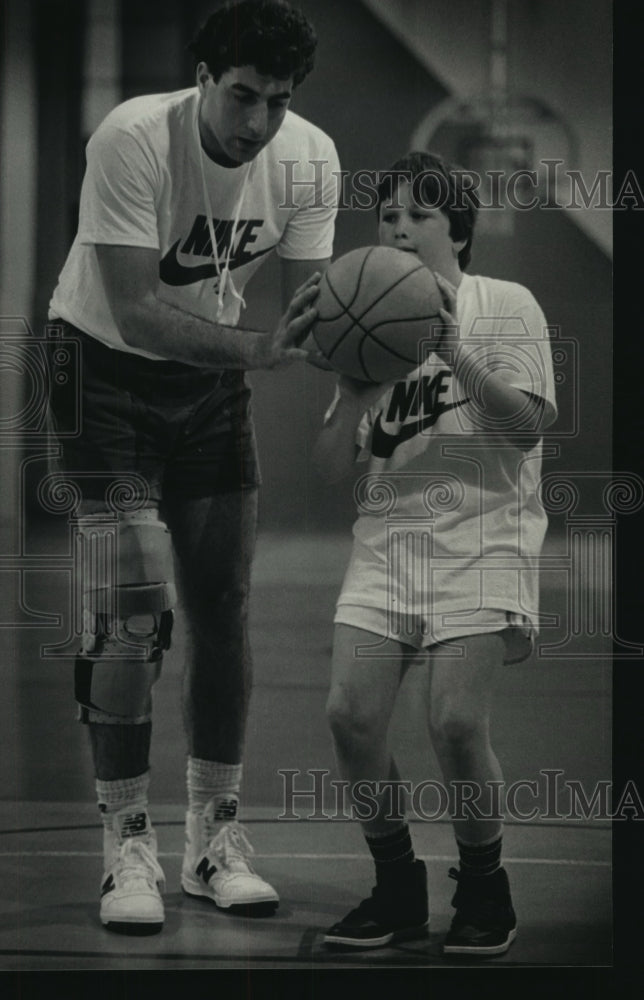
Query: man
[184,196]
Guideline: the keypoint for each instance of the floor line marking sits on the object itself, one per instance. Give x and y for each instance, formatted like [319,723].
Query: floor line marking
[417,959]
[315,857]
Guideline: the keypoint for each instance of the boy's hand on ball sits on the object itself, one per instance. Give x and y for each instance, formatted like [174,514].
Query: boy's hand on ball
[449,293]
[448,333]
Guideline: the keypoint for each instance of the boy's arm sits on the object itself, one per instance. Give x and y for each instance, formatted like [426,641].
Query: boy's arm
[335,450]
[518,414]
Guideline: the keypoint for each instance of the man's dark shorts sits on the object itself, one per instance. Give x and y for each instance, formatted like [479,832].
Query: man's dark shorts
[186,431]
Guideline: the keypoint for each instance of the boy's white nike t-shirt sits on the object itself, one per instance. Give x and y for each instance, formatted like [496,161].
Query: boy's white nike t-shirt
[143,187]
[449,515]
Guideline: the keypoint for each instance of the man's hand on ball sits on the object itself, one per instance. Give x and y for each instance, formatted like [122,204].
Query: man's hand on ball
[286,343]
[314,355]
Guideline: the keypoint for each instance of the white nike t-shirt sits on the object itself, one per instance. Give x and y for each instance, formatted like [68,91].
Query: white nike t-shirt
[143,187]
[449,516]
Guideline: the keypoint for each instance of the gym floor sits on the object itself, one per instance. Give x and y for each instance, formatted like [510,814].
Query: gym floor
[553,714]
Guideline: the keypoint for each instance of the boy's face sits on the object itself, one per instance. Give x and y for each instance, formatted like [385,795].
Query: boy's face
[241,112]
[424,231]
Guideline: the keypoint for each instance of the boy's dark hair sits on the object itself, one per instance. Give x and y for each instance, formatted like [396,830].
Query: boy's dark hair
[440,185]
[275,38]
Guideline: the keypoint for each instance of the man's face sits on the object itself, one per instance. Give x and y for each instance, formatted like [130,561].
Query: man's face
[241,112]
[420,230]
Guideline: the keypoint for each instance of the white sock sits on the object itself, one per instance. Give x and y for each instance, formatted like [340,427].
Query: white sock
[209,780]
[129,797]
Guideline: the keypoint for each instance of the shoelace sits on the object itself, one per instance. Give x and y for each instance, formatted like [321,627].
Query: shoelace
[232,847]
[136,855]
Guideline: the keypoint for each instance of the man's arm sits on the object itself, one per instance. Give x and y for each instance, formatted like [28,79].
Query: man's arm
[294,274]
[131,277]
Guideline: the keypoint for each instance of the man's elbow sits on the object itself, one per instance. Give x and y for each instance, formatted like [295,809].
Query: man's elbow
[130,319]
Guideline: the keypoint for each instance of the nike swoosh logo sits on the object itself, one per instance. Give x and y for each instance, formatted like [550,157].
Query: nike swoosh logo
[172,272]
[383,445]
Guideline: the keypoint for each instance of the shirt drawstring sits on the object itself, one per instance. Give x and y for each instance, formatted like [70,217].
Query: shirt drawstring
[225,277]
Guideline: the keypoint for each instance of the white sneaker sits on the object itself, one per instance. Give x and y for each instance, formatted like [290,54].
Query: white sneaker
[132,884]
[218,868]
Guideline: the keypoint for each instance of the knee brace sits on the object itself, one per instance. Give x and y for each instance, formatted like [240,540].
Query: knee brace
[128,597]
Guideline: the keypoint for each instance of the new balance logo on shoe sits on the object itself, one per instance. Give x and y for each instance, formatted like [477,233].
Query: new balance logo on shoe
[226,809]
[205,869]
[133,825]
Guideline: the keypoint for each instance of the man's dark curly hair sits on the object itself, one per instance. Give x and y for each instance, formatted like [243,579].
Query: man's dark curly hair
[438,184]
[271,35]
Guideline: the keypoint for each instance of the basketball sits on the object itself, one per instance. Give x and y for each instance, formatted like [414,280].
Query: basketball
[376,309]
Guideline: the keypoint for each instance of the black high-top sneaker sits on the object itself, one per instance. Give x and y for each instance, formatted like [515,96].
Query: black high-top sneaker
[396,910]
[484,923]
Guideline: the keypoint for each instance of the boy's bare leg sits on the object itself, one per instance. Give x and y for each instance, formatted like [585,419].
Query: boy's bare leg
[461,695]
[360,705]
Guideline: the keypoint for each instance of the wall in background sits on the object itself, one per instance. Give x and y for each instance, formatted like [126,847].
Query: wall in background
[558,52]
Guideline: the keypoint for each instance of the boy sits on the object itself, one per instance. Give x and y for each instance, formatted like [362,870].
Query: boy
[463,587]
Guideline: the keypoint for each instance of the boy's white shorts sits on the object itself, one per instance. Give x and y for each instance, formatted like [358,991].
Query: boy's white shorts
[424,632]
